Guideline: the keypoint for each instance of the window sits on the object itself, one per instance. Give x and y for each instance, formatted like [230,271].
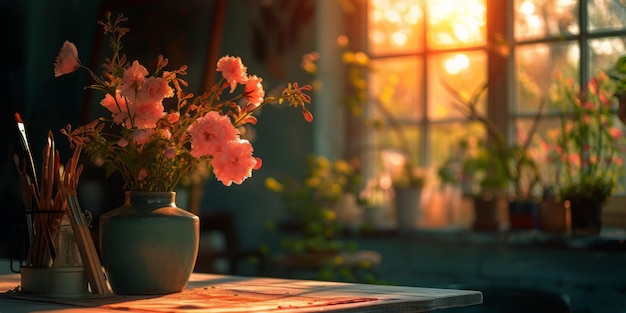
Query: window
[416,49]
[419,46]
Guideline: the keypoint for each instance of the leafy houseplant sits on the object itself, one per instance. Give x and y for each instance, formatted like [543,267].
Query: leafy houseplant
[156,134]
[505,163]
[511,160]
[589,149]
[312,203]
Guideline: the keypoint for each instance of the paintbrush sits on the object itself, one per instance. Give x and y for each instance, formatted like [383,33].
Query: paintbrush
[31,176]
[27,151]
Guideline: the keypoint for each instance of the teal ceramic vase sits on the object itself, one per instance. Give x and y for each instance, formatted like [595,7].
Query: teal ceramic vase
[148,245]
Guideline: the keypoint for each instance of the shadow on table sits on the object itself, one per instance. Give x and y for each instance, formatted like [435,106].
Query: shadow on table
[515,300]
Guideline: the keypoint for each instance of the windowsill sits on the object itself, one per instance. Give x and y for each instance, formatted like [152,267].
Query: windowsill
[610,238]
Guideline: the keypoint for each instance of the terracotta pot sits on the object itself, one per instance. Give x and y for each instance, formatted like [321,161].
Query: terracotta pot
[553,216]
[486,213]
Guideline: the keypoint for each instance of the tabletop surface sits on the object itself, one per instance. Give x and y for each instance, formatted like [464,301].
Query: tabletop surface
[225,294]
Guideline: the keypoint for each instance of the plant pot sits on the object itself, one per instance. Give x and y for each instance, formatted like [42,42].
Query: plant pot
[148,245]
[407,201]
[553,217]
[586,216]
[523,215]
[486,213]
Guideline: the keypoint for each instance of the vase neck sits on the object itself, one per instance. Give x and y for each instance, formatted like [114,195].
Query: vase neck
[152,198]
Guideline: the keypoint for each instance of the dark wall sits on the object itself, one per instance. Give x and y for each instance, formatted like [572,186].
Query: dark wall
[270,40]
[35,31]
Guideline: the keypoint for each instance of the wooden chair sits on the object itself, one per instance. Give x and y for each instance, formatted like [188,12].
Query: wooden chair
[219,250]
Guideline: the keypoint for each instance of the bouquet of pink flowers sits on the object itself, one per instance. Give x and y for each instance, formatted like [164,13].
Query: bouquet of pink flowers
[153,143]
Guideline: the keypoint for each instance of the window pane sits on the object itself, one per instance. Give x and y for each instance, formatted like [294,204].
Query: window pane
[445,137]
[606,15]
[464,72]
[535,68]
[535,19]
[395,27]
[395,86]
[403,140]
[604,52]
[456,23]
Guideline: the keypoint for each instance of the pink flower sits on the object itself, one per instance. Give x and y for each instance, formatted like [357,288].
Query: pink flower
[142,175]
[615,133]
[67,60]
[118,109]
[122,143]
[232,70]
[141,136]
[133,78]
[146,115]
[155,89]
[210,133]
[235,163]
[253,90]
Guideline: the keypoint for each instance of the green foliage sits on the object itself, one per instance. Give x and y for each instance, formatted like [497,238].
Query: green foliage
[618,75]
[503,162]
[310,202]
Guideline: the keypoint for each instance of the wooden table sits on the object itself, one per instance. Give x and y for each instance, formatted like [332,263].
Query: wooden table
[226,294]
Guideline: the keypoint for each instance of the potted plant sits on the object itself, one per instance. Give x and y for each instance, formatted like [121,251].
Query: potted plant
[485,181]
[311,203]
[315,203]
[506,163]
[589,150]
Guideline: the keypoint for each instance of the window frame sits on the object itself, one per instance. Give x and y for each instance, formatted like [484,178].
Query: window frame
[499,65]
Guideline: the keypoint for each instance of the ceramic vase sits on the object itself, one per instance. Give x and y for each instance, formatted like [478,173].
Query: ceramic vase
[148,245]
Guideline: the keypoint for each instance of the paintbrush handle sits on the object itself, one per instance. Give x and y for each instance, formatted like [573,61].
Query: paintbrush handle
[86,247]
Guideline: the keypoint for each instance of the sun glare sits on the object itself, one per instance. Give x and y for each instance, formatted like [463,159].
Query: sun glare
[395,24]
